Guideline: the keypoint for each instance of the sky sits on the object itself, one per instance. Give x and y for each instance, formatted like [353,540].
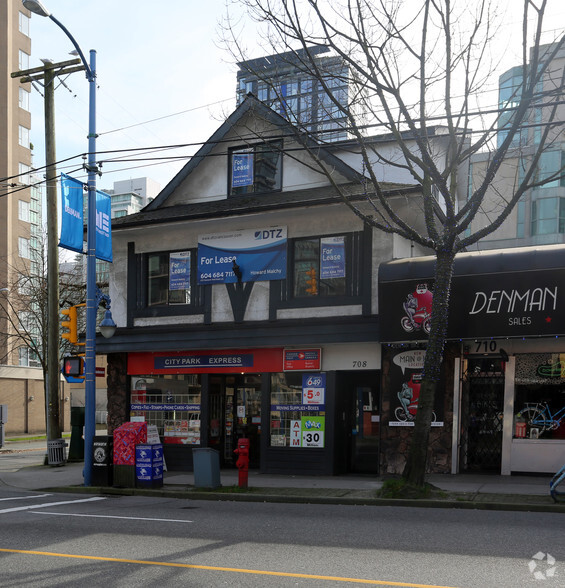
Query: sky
[164,77]
[154,61]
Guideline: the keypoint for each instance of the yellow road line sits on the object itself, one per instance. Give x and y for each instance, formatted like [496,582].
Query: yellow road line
[224,569]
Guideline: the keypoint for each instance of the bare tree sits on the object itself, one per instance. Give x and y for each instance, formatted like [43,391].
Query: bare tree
[24,311]
[410,69]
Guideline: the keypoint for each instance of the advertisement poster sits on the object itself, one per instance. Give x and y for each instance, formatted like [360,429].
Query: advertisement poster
[259,254]
[313,431]
[313,389]
[179,270]
[405,381]
[332,259]
[242,169]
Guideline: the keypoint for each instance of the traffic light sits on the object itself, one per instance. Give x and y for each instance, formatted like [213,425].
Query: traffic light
[73,366]
[71,324]
[312,282]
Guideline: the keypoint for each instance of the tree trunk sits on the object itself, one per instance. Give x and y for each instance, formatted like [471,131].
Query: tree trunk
[415,469]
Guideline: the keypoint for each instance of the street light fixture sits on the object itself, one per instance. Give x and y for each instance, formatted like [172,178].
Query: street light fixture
[93,297]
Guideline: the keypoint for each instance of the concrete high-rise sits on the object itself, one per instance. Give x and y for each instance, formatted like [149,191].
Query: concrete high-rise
[17,207]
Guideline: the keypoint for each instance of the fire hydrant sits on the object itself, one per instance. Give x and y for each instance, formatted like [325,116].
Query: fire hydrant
[242,462]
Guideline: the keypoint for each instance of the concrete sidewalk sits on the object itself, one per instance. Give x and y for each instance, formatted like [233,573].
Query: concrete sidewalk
[21,467]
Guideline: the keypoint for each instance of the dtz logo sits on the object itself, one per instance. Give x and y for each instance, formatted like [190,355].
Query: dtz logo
[269,234]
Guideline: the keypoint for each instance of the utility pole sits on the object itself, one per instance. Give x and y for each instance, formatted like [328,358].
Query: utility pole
[49,73]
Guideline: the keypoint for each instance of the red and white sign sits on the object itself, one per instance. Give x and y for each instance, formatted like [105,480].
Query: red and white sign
[100,372]
[302,359]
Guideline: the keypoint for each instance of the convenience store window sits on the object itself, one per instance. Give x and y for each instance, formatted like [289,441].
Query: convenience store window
[171,403]
[298,416]
[539,401]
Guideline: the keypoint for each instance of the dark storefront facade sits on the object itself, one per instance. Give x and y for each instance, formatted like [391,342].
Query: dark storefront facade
[300,415]
[504,372]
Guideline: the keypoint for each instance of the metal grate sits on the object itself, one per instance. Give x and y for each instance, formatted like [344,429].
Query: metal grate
[482,407]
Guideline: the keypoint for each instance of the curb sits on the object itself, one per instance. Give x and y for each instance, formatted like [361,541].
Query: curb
[462,504]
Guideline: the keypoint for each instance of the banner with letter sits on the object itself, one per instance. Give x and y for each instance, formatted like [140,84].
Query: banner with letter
[72,222]
[103,226]
[260,254]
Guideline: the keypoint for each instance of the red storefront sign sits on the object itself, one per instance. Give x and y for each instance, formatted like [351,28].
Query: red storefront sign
[222,361]
[302,359]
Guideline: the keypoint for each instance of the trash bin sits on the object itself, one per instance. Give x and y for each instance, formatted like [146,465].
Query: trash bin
[102,471]
[149,465]
[206,467]
[56,452]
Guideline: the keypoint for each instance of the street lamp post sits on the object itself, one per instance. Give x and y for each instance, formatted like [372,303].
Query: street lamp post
[93,298]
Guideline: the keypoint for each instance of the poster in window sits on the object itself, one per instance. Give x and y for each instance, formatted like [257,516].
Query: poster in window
[242,169]
[313,431]
[179,270]
[332,259]
[313,388]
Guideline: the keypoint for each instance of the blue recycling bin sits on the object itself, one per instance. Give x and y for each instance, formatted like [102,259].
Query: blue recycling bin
[149,465]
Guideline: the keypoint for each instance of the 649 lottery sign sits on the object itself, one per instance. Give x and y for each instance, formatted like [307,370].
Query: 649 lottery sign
[313,389]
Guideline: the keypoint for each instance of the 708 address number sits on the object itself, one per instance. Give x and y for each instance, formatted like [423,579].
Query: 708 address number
[359,363]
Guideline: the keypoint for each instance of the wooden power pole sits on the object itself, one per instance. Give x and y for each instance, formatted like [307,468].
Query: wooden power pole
[49,73]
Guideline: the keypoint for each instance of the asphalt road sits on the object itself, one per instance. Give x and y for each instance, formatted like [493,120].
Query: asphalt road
[77,540]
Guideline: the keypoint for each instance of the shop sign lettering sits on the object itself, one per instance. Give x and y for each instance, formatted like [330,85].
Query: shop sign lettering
[188,361]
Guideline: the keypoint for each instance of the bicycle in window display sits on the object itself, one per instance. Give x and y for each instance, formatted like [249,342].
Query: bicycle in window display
[540,416]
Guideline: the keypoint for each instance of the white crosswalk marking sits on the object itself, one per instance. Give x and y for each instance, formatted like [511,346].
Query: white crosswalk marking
[29,497]
[46,504]
[94,516]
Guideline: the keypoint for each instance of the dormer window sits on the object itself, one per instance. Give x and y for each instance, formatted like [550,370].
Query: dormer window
[256,168]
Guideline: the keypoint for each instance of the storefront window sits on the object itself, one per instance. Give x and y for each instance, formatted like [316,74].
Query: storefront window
[170,402]
[539,403]
[298,417]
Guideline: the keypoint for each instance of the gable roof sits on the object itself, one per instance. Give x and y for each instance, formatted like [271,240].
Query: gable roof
[259,109]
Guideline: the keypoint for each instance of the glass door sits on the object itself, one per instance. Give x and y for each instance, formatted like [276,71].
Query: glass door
[248,414]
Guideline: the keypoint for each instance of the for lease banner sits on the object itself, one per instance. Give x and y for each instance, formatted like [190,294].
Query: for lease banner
[246,255]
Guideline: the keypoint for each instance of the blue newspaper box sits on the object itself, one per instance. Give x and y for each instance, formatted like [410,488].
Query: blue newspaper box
[149,465]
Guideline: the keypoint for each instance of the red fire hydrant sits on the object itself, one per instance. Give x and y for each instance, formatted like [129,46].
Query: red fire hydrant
[242,462]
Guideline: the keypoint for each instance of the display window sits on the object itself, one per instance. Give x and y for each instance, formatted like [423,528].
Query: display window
[171,403]
[298,411]
[539,402]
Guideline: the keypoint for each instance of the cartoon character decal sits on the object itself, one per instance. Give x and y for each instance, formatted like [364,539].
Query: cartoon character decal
[418,309]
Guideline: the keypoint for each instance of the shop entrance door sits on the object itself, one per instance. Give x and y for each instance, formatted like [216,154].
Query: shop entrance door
[358,394]
[235,412]
[482,408]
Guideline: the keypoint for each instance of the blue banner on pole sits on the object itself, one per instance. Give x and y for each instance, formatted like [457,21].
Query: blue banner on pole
[72,222]
[103,227]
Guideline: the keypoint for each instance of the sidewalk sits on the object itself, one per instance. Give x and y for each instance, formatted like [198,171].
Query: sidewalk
[21,467]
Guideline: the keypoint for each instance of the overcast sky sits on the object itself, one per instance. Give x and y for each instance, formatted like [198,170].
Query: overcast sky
[155,60]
